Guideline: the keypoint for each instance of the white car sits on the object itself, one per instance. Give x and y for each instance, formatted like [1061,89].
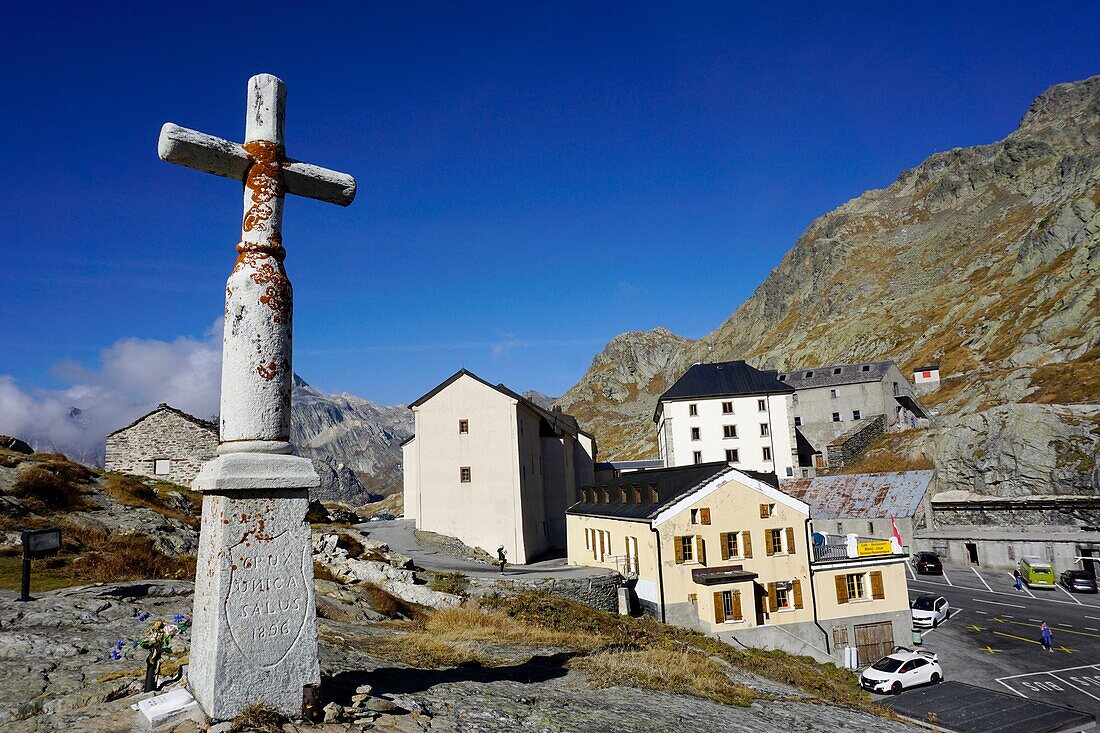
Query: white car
[901,669]
[929,611]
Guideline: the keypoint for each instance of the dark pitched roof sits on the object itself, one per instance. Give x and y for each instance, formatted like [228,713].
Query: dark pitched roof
[165,406]
[672,484]
[928,368]
[723,379]
[832,375]
[556,421]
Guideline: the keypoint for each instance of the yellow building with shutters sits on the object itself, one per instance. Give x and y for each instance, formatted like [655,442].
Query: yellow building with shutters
[724,551]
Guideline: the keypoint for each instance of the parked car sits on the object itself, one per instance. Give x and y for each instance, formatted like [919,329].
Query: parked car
[927,563]
[1078,581]
[901,669]
[381,518]
[1037,573]
[929,610]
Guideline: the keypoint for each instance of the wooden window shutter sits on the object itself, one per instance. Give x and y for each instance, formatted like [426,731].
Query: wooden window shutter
[790,540]
[877,592]
[768,542]
[719,610]
[772,604]
[737,606]
[841,589]
[764,511]
[679,550]
[796,590]
[724,545]
[704,516]
[746,545]
[700,550]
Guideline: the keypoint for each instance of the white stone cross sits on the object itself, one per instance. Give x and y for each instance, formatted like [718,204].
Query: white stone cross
[254,633]
[257,375]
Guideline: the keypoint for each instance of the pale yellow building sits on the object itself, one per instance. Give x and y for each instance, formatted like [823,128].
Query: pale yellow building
[491,468]
[725,552]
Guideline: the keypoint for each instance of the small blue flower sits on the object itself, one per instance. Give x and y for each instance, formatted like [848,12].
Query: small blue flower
[143,615]
[115,655]
[119,644]
[178,618]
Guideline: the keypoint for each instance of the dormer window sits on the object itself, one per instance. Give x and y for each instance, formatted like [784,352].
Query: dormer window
[782,377]
[836,370]
[866,367]
[809,374]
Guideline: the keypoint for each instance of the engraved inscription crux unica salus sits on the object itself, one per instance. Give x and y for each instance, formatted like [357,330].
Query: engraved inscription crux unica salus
[265,608]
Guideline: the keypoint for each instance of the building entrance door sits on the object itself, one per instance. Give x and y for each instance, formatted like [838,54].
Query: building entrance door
[1087,563]
[873,642]
[972,553]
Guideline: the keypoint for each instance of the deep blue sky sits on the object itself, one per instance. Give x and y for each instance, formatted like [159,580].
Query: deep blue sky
[533,178]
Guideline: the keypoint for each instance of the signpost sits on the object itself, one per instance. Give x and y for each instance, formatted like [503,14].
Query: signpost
[36,543]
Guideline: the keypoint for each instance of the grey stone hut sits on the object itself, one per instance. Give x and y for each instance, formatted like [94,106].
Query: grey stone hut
[166,444]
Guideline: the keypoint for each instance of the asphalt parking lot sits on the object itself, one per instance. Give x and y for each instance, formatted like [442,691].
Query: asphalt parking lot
[992,637]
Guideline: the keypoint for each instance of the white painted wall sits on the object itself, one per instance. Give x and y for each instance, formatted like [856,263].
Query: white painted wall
[676,423]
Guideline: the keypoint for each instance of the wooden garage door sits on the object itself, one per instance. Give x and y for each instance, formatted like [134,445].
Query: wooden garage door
[874,641]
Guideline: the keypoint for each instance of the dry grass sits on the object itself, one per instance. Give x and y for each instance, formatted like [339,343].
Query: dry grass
[130,557]
[1074,382]
[388,604]
[257,718]
[666,670]
[469,624]
[422,649]
[321,572]
[47,491]
[133,491]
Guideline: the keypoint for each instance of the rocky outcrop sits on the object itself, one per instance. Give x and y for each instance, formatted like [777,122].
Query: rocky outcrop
[616,397]
[984,260]
[391,572]
[359,440]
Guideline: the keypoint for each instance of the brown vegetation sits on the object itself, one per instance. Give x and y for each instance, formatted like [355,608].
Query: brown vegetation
[133,491]
[1074,382]
[453,583]
[130,557]
[257,718]
[665,670]
[44,491]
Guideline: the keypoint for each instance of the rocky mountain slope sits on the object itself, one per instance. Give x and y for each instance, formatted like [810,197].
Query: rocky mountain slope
[355,443]
[983,259]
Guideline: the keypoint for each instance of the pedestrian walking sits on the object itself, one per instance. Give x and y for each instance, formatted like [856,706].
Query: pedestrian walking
[1048,637]
[1017,579]
[502,558]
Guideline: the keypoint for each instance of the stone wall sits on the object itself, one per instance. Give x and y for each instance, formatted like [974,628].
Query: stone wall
[599,592]
[851,444]
[164,433]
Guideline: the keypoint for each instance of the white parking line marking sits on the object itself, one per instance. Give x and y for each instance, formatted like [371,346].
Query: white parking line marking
[981,612]
[1069,594]
[1036,620]
[1089,628]
[997,603]
[983,580]
[1094,618]
[911,573]
[950,615]
[1044,598]
[1013,689]
[1005,615]
[1094,697]
[947,578]
[1049,671]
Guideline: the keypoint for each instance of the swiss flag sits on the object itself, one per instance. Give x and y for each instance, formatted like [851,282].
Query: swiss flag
[897,535]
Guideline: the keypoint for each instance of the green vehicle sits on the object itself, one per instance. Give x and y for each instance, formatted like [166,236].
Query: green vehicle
[1037,573]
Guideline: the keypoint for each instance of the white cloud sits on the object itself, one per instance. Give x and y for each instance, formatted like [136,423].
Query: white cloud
[133,376]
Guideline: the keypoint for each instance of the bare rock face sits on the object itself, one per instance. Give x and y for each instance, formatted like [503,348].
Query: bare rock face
[358,440]
[617,395]
[1020,450]
[985,260]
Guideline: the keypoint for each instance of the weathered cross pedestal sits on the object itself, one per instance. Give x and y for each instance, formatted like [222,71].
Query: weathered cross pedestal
[254,635]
